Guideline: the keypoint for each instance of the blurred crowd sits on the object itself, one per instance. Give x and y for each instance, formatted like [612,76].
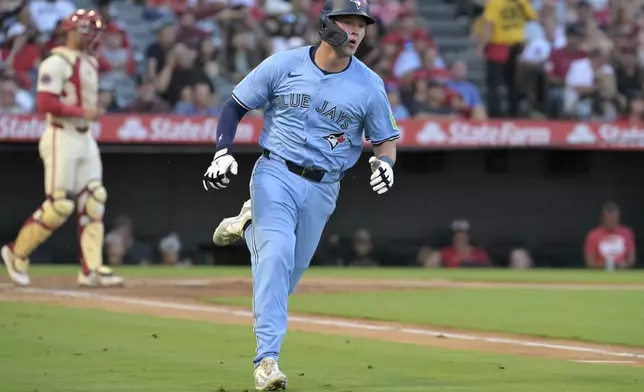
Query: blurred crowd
[577,59]
[202,48]
[571,59]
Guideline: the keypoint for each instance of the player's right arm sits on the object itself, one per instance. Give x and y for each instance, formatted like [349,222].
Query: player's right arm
[53,72]
[251,93]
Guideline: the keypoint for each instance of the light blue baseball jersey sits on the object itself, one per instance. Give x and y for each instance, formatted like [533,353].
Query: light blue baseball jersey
[317,120]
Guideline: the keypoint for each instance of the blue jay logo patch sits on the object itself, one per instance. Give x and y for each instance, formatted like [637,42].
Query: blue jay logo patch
[335,139]
[359,3]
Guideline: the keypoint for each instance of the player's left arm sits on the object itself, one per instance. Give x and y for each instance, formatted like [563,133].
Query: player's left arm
[382,131]
[251,93]
[386,150]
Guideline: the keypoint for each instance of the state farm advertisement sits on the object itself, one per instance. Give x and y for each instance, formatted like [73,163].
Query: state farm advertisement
[420,134]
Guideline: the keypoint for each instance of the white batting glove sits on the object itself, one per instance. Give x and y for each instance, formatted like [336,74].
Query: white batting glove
[382,178]
[216,175]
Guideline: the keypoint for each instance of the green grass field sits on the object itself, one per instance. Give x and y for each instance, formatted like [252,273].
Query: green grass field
[45,348]
[51,349]
[472,275]
[604,316]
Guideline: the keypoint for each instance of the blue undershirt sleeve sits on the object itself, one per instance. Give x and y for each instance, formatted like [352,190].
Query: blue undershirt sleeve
[231,115]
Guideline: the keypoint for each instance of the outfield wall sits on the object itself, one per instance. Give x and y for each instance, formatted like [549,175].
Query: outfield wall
[545,201]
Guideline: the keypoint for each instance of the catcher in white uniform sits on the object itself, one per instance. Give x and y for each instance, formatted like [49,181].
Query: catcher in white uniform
[67,93]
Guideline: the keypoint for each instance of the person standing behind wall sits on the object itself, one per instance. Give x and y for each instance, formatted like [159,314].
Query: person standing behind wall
[500,42]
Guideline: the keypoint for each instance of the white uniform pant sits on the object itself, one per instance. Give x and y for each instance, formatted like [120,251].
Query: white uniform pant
[71,160]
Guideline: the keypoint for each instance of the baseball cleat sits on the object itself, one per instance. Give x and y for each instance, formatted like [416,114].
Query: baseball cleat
[100,277]
[232,229]
[268,376]
[17,274]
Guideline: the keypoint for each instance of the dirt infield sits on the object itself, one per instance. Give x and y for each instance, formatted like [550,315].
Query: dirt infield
[182,298]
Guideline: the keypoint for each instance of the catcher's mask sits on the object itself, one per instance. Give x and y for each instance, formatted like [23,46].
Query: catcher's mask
[88,23]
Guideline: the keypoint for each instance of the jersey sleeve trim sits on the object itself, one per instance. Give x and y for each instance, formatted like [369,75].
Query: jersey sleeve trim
[240,103]
[377,143]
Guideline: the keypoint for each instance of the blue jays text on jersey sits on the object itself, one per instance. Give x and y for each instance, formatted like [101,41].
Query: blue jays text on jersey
[313,119]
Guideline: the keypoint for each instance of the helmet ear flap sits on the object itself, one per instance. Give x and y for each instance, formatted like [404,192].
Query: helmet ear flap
[332,33]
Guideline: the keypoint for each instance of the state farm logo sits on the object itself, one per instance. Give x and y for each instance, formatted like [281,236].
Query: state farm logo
[132,129]
[581,134]
[178,129]
[21,127]
[169,129]
[614,135]
[462,133]
[432,133]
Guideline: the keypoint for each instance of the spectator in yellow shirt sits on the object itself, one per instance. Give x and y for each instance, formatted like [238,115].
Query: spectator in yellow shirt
[501,41]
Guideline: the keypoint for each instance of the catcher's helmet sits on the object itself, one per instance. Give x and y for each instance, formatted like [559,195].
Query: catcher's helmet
[332,33]
[88,23]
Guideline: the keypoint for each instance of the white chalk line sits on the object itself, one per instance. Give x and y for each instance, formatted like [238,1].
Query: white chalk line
[603,362]
[330,322]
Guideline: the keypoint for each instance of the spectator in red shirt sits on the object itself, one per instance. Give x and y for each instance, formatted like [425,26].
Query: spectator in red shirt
[188,33]
[610,240]
[462,253]
[115,53]
[558,65]
[429,69]
[20,55]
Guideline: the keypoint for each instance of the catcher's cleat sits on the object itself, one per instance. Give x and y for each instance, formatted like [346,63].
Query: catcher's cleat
[16,267]
[100,277]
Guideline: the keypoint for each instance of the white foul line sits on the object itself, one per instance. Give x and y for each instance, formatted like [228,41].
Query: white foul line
[603,362]
[329,322]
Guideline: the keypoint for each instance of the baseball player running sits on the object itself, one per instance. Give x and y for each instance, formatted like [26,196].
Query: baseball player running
[317,101]
[67,93]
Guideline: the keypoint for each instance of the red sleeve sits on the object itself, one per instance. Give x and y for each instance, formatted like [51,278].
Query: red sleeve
[448,259]
[590,245]
[50,103]
[131,63]
[103,65]
[125,41]
[551,65]
[481,256]
[631,241]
